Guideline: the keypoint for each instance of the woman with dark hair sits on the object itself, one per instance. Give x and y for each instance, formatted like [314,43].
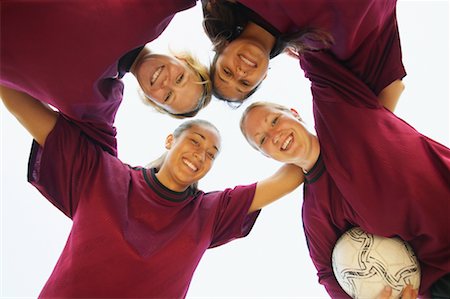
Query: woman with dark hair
[73,54]
[137,232]
[246,34]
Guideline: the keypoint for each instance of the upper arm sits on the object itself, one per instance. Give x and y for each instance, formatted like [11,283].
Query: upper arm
[390,95]
[284,181]
[36,117]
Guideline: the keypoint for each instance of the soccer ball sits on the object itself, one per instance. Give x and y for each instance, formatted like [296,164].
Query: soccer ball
[364,264]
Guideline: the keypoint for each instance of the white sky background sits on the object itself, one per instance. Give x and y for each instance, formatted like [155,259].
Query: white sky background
[273,261]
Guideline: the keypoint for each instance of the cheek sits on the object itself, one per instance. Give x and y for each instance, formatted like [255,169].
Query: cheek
[266,149]
[155,96]
[259,75]
[208,166]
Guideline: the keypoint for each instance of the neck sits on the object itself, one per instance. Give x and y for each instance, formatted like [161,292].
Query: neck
[144,52]
[311,157]
[259,34]
[169,182]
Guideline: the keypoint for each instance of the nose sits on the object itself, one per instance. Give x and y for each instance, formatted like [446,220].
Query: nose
[273,135]
[240,72]
[165,82]
[200,155]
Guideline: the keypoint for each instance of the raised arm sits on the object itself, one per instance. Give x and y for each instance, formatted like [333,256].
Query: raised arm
[390,95]
[284,181]
[35,116]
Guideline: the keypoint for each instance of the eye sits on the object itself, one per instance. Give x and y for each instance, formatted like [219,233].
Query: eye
[245,83]
[194,142]
[227,72]
[275,120]
[179,79]
[261,142]
[211,156]
[168,96]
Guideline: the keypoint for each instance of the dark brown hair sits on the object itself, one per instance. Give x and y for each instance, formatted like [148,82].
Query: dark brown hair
[186,125]
[224,21]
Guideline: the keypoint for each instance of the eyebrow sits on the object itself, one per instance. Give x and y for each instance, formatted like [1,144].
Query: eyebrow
[204,138]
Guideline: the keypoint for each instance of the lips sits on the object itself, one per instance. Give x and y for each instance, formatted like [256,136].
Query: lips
[287,143]
[190,165]
[156,75]
[247,61]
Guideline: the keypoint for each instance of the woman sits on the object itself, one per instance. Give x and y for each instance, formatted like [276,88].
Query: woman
[72,55]
[137,232]
[367,168]
[246,34]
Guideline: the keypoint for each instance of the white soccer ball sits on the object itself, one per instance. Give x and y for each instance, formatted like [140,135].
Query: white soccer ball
[364,264]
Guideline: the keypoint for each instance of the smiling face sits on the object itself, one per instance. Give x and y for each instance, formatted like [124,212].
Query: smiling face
[190,157]
[240,67]
[279,134]
[169,83]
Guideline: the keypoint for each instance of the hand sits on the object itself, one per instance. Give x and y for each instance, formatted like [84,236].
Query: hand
[408,293]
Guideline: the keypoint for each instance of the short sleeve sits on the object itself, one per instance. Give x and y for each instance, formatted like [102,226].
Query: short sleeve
[62,168]
[378,60]
[232,218]
[332,82]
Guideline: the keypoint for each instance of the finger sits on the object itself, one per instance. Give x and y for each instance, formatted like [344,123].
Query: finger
[409,293]
[385,293]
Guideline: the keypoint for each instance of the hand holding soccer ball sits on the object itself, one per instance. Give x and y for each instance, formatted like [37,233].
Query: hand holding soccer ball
[408,293]
[364,264]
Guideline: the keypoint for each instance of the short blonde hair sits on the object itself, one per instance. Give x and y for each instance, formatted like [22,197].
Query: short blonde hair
[204,79]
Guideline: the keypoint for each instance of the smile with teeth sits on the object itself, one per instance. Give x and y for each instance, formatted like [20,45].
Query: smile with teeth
[190,165]
[156,74]
[247,61]
[287,142]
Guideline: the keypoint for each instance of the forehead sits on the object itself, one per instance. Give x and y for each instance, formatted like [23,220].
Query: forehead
[205,132]
[164,57]
[258,118]
[255,119]
[260,113]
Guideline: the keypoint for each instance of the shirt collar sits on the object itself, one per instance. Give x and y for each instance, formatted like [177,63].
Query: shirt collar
[161,190]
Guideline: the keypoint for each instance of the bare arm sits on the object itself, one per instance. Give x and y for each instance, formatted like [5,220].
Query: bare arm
[390,95]
[35,116]
[284,181]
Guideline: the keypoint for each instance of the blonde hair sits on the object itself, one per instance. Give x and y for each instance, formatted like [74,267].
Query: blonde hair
[204,79]
[256,105]
[176,133]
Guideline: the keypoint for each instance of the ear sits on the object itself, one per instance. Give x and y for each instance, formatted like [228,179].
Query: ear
[169,141]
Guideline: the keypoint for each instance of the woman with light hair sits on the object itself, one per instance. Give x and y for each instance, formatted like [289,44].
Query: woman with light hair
[73,54]
[366,167]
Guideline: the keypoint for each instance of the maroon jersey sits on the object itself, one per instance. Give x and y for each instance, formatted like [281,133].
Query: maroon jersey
[67,53]
[377,172]
[131,236]
[365,32]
